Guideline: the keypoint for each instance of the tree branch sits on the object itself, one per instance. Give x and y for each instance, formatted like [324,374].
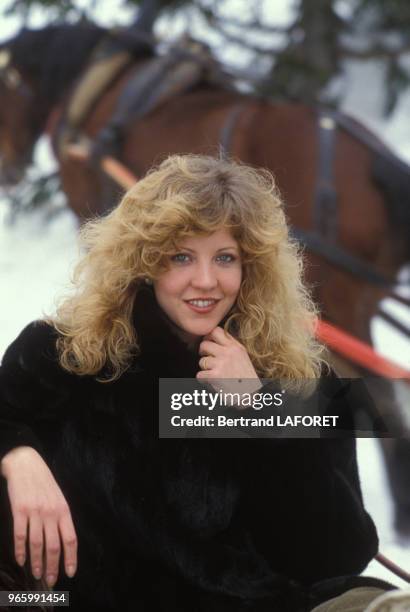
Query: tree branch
[374,52]
[237,39]
[255,24]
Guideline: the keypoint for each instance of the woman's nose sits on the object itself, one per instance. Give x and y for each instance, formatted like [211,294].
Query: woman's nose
[204,277]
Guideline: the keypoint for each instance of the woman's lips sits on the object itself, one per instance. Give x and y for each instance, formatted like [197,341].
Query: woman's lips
[201,309]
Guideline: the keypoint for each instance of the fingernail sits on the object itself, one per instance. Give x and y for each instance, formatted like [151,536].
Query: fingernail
[50,579]
[37,573]
[21,560]
[70,570]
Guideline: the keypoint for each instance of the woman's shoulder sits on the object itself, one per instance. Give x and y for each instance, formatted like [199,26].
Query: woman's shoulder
[36,340]
[34,352]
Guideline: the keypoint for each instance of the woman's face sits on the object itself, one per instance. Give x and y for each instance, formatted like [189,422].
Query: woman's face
[201,284]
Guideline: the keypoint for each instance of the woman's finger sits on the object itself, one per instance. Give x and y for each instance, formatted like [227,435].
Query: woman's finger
[36,544]
[207,362]
[70,545]
[20,536]
[219,336]
[202,375]
[53,549]
[210,348]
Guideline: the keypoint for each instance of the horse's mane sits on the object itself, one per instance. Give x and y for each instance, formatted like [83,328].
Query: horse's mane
[55,55]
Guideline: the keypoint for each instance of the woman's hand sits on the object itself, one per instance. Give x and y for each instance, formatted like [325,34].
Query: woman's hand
[37,504]
[223,357]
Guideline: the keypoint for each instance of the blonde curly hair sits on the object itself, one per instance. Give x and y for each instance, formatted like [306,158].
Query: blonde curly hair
[186,195]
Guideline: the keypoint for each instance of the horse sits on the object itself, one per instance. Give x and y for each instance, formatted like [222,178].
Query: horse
[345,191]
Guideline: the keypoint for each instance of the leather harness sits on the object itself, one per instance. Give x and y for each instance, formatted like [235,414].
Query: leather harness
[322,240]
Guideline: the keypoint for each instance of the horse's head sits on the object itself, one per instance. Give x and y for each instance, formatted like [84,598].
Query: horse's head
[17,120]
[37,69]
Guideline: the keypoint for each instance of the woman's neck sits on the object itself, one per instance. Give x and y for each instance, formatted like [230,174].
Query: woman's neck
[192,342]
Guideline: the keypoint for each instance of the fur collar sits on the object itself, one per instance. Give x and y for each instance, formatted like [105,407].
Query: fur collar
[162,350]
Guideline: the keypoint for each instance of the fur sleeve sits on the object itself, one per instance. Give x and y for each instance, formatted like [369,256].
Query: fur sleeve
[29,378]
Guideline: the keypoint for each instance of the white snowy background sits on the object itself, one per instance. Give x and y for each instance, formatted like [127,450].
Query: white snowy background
[36,257]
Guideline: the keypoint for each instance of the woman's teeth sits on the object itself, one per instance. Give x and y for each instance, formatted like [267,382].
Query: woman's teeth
[202,303]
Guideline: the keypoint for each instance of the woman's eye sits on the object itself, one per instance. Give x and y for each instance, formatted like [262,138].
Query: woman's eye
[180,258]
[226,258]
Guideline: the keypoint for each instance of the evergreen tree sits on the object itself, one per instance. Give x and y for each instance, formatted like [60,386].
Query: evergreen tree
[313,46]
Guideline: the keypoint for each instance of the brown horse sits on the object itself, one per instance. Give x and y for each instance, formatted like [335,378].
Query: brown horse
[365,187]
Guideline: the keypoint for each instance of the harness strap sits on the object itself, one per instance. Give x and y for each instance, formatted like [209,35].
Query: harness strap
[162,78]
[135,100]
[322,242]
[226,134]
[341,258]
[370,140]
[325,206]
[325,203]
[401,327]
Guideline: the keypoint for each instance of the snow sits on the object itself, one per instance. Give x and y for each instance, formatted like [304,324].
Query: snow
[379,504]
[34,262]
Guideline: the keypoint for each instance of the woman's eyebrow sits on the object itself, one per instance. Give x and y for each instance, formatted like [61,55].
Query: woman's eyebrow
[232,246]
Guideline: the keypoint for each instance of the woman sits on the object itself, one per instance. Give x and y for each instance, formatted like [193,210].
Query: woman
[192,275]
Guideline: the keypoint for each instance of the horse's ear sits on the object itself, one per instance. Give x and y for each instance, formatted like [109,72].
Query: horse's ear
[5,58]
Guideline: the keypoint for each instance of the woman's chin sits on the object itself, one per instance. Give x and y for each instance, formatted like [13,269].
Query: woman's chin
[199,331]
[194,332]
[200,328]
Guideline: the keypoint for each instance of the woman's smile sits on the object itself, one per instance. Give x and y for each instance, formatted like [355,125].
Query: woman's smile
[202,305]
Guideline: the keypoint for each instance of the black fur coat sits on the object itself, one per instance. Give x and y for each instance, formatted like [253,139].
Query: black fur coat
[181,525]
